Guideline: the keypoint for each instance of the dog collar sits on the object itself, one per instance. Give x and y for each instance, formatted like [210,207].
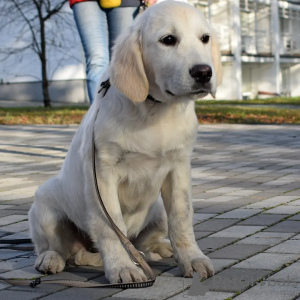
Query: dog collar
[105,85]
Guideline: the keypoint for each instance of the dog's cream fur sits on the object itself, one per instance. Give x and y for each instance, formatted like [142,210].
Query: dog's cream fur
[143,151]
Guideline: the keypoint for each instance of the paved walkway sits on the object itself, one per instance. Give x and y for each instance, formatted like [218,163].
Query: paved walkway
[246,192]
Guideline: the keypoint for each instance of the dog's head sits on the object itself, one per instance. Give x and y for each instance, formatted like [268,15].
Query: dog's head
[170,52]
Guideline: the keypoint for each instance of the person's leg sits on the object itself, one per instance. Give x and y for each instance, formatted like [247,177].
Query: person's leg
[118,19]
[91,23]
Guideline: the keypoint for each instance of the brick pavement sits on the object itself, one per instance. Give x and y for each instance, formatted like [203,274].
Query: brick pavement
[246,193]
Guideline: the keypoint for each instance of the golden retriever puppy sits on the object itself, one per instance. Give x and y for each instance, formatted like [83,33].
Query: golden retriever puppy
[145,127]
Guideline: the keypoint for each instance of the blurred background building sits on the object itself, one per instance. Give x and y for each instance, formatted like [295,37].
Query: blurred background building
[259,41]
[260,45]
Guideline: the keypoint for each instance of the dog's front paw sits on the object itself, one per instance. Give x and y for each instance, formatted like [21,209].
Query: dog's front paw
[50,262]
[125,274]
[202,265]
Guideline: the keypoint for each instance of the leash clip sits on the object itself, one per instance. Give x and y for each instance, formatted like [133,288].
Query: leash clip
[104,85]
[135,262]
[35,282]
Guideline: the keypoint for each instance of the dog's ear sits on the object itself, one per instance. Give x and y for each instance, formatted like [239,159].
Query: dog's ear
[216,58]
[127,68]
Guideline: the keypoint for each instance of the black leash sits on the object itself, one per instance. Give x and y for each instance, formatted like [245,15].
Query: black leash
[16,241]
[14,244]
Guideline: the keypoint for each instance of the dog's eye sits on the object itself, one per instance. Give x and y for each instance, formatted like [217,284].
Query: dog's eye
[205,38]
[169,40]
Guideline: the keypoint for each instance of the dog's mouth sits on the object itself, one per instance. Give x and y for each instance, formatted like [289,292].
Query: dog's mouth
[200,92]
[194,93]
[170,93]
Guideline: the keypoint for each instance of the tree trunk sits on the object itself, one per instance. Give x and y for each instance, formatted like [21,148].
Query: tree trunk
[46,96]
[43,58]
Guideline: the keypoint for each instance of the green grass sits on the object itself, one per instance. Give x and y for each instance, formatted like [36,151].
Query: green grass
[246,115]
[208,111]
[277,101]
[42,115]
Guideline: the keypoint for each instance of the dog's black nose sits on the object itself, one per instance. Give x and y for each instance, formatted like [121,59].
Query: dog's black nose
[201,73]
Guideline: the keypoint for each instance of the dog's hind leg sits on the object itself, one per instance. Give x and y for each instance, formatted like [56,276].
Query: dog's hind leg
[153,245]
[152,240]
[51,232]
[86,258]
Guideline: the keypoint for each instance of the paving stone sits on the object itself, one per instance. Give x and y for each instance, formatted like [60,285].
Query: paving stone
[221,199]
[17,235]
[296,237]
[263,195]
[5,213]
[235,280]
[239,213]
[212,243]
[198,217]
[25,190]
[4,286]
[18,211]
[158,268]
[201,234]
[21,201]
[290,246]
[288,274]
[237,251]
[24,273]
[163,287]
[17,263]
[295,218]
[70,275]
[99,271]
[266,238]
[174,272]
[14,197]
[237,231]
[296,202]
[83,293]
[199,204]
[219,265]
[12,219]
[246,185]
[214,225]
[113,298]
[264,188]
[285,226]
[285,188]
[267,290]
[207,295]
[271,202]
[267,261]
[17,295]
[5,206]
[16,227]
[263,219]
[201,198]
[243,202]
[45,288]
[224,190]
[284,209]
[9,254]
[293,193]
[219,208]
[243,192]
